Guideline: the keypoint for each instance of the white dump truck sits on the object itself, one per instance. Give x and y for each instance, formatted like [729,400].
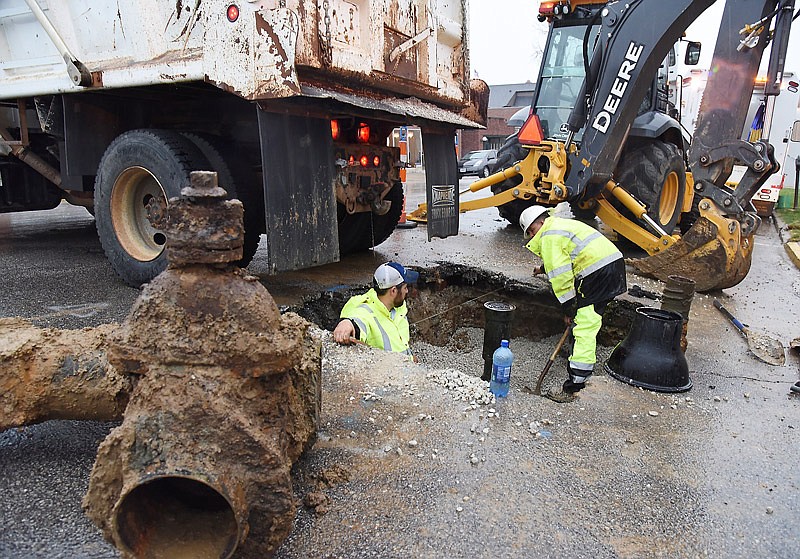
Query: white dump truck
[110,105]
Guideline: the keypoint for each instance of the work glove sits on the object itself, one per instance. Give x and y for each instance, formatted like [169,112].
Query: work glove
[570,309]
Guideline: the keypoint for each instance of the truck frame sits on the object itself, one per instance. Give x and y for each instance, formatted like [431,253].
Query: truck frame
[110,105]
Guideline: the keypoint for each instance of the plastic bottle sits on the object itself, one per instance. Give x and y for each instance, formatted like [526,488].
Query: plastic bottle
[501,370]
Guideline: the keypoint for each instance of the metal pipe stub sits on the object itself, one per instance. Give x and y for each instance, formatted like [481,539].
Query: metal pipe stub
[498,317]
[677,297]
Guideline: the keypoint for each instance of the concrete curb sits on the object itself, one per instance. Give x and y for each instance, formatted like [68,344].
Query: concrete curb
[793,250]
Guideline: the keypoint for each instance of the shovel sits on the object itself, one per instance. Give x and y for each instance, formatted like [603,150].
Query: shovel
[538,389]
[768,350]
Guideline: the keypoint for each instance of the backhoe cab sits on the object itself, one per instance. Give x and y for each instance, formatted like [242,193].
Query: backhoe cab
[603,136]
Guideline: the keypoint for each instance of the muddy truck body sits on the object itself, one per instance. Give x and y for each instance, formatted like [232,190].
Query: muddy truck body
[111,105]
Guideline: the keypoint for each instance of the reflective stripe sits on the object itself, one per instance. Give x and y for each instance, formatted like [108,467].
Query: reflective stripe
[562,233]
[581,366]
[581,244]
[387,345]
[599,264]
[558,271]
[567,296]
[361,325]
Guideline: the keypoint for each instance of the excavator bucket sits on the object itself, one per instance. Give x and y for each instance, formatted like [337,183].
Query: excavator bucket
[713,253]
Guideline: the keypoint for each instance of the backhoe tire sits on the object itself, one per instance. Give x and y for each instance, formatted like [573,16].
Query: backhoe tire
[655,174]
[507,155]
[137,166]
[234,176]
[364,230]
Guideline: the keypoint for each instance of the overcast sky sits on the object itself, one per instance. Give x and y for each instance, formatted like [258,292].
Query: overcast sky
[506,40]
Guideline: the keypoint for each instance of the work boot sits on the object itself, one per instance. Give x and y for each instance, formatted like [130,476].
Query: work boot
[572,387]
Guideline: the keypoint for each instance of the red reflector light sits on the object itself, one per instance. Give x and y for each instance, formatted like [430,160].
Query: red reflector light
[352,160]
[531,133]
[376,161]
[547,8]
[363,132]
[233,13]
[364,160]
[335,129]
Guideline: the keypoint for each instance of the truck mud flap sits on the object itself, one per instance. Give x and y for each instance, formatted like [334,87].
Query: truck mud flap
[441,188]
[299,199]
[714,258]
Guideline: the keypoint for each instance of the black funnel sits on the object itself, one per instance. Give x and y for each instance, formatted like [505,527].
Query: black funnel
[498,316]
[650,356]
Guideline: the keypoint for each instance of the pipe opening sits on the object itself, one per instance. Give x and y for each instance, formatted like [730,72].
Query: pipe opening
[177,518]
[659,314]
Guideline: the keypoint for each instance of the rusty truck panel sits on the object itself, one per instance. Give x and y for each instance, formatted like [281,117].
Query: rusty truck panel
[255,49]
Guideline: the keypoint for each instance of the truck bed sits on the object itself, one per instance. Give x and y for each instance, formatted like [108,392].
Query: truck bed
[269,49]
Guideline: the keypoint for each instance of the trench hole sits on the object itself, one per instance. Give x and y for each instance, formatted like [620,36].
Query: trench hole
[451,297]
[177,518]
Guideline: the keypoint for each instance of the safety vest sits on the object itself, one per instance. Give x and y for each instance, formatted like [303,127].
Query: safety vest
[379,327]
[570,250]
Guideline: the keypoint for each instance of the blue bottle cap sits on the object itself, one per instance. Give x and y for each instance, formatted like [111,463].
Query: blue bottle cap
[503,343]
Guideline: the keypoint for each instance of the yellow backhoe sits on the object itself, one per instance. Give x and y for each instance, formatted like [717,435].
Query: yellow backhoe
[602,135]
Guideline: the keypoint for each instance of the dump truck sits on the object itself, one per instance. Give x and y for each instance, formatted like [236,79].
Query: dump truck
[602,135]
[110,106]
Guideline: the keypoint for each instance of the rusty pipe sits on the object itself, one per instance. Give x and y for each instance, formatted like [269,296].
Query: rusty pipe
[57,374]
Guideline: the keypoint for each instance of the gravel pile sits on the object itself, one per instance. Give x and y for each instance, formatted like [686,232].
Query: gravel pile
[462,358]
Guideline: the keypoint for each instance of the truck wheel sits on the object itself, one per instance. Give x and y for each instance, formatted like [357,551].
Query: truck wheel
[655,174]
[235,179]
[364,230]
[508,154]
[136,167]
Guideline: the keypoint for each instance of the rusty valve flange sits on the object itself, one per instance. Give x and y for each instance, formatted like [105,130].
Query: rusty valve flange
[201,226]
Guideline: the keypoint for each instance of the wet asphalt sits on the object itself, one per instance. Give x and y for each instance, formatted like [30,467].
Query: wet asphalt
[622,472]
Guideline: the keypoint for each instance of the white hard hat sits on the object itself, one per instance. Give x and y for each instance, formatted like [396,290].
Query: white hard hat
[529,215]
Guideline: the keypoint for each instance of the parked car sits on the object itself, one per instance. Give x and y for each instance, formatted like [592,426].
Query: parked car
[477,163]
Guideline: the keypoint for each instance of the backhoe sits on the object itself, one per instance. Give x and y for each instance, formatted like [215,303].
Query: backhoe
[602,135]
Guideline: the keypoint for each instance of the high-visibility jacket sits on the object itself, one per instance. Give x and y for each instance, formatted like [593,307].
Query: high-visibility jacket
[572,251]
[378,326]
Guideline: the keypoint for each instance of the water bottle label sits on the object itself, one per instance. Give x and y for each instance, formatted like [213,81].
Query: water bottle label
[501,373]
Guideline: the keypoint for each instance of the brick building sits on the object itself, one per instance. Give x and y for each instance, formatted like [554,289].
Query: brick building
[504,101]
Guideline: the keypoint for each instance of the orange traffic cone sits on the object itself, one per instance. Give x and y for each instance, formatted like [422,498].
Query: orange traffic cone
[404,223]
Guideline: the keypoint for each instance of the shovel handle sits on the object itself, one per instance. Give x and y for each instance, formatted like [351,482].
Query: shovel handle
[730,317]
[538,389]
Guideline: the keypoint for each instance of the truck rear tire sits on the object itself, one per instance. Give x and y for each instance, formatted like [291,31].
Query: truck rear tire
[507,155]
[235,178]
[364,230]
[137,166]
[655,174]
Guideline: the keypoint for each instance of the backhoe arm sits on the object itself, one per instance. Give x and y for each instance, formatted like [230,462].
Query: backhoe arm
[634,39]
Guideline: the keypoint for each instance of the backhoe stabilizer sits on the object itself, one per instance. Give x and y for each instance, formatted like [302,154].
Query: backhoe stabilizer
[713,252]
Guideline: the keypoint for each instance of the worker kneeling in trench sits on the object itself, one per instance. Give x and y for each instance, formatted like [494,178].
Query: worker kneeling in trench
[379,317]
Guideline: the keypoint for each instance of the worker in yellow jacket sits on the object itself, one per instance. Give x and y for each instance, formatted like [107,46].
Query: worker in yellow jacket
[585,270]
[379,317]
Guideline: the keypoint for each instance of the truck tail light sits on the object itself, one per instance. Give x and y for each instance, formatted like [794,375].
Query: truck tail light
[364,160]
[376,161]
[335,129]
[233,13]
[363,132]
